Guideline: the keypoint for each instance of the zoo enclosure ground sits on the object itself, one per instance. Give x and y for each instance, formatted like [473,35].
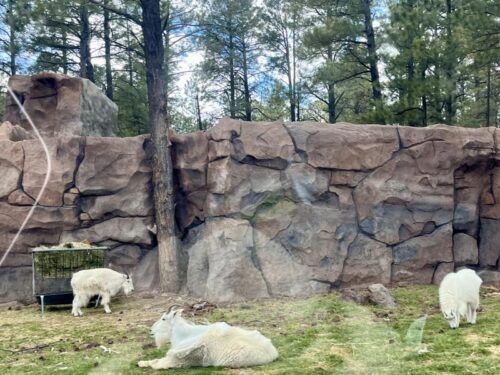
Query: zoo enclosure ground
[320,334]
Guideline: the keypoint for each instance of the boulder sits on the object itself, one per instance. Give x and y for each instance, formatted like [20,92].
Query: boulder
[146,274]
[122,229]
[124,255]
[301,248]
[344,146]
[135,199]
[265,144]
[367,261]
[60,105]
[414,260]
[236,188]
[46,219]
[190,150]
[221,262]
[380,295]
[111,164]
[226,129]
[471,184]
[489,240]
[397,201]
[64,152]
[465,249]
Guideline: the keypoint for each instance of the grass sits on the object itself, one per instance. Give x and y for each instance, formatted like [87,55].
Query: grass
[317,335]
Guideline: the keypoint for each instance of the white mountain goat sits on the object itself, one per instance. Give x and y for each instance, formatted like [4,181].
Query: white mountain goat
[217,344]
[103,282]
[459,296]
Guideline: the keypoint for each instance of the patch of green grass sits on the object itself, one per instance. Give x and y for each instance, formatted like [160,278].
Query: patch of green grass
[317,335]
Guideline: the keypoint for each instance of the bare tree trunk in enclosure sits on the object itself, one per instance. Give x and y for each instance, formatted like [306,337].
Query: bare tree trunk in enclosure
[107,53]
[86,67]
[162,161]
[12,38]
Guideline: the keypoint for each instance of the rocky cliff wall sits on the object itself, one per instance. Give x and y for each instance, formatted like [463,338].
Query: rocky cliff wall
[264,209]
[99,190]
[278,209]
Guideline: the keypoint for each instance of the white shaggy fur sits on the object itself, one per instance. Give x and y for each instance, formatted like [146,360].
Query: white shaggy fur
[459,296]
[217,344]
[98,281]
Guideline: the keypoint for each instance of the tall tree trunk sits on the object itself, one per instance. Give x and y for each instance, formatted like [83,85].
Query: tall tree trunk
[298,103]
[246,86]
[164,194]
[332,102]
[107,53]
[198,113]
[167,53]
[64,52]
[372,52]
[449,102]
[232,78]
[12,38]
[289,69]
[86,67]
[488,95]
[332,110]
[295,109]
[129,58]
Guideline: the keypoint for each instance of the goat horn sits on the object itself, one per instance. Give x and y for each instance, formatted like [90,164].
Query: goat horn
[171,308]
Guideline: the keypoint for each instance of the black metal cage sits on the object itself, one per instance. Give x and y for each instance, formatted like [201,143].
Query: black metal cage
[54,267]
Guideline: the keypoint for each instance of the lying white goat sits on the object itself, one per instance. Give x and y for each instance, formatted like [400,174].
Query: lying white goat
[217,344]
[459,296]
[103,282]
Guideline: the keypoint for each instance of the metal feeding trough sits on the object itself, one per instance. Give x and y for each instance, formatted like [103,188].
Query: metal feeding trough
[53,268]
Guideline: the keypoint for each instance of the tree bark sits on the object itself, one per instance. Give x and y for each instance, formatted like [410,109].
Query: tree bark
[232,78]
[372,51]
[162,160]
[332,103]
[424,99]
[107,53]
[198,113]
[86,67]
[64,53]
[488,95]
[12,38]
[449,102]
[246,86]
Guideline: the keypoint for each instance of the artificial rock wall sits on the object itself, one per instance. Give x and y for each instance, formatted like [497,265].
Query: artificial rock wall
[289,209]
[100,187]
[263,209]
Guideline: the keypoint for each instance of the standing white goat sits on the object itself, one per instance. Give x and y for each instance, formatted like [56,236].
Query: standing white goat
[98,281]
[459,296]
[217,344]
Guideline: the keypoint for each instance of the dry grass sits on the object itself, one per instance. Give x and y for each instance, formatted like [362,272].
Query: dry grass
[321,334]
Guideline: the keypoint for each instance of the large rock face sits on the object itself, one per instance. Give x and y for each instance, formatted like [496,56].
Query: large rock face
[99,190]
[263,209]
[333,205]
[61,105]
